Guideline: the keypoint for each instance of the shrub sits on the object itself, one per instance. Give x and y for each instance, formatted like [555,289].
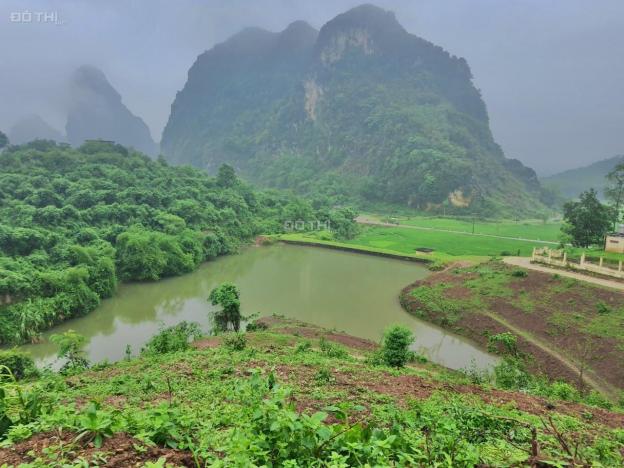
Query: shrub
[324,376]
[172,339]
[563,391]
[235,341]
[19,363]
[519,273]
[603,308]
[303,346]
[71,346]
[256,326]
[396,343]
[511,374]
[595,398]
[332,350]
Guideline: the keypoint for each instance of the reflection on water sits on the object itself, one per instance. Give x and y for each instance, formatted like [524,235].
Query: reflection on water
[354,293]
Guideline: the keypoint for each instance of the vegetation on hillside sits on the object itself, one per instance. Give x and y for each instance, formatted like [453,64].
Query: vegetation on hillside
[569,328]
[75,222]
[283,400]
[360,110]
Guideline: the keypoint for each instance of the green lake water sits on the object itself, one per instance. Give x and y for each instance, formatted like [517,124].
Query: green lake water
[354,293]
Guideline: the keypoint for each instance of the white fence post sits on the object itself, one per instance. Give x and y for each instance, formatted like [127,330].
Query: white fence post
[600,265]
[583,259]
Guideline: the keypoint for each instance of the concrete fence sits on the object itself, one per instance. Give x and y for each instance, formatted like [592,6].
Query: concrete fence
[560,259]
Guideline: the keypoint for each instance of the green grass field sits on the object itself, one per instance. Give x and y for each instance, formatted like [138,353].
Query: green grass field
[407,240]
[527,229]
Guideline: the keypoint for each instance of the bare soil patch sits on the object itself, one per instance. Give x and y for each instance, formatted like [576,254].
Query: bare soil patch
[119,451]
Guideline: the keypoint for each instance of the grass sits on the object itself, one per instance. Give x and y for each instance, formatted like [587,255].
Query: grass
[565,313]
[526,229]
[241,408]
[452,244]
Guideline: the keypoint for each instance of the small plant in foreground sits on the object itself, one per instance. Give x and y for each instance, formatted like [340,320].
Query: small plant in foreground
[396,342]
[235,341]
[94,425]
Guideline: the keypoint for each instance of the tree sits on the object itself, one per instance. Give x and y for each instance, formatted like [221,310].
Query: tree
[3,140]
[71,346]
[614,190]
[226,177]
[396,343]
[227,296]
[587,221]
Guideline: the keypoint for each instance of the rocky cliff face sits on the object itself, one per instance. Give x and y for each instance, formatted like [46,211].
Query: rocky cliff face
[97,112]
[360,109]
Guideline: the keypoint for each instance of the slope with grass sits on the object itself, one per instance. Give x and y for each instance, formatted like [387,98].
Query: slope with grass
[566,325]
[297,395]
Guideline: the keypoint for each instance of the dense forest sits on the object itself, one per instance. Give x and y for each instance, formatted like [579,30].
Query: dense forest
[360,110]
[75,222]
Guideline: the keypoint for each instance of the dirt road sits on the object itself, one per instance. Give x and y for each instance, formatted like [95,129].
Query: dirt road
[525,262]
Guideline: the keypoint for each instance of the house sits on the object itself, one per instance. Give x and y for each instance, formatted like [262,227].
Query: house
[614,242]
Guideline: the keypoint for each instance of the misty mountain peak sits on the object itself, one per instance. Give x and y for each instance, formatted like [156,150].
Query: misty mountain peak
[88,78]
[33,127]
[366,27]
[96,111]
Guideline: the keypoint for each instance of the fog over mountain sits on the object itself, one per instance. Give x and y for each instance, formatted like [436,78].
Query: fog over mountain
[33,127]
[550,72]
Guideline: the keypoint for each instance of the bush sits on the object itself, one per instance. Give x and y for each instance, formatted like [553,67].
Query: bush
[256,326]
[595,398]
[396,343]
[511,374]
[19,363]
[303,346]
[172,339]
[235,341]
[519,273]
[332,350]
[563,391]
[603,308]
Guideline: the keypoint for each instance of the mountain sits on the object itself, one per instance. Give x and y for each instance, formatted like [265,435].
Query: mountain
[572,182]
[96,111]
[33,127]
[361,109]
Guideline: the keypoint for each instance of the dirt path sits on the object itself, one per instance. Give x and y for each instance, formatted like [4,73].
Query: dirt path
[525,262]
[374,222]
[590,377]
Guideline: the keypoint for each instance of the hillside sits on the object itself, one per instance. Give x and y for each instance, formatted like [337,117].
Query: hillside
[76,222]
[96,111]
[572,182]
[298,395]
[361,110]
[33,127]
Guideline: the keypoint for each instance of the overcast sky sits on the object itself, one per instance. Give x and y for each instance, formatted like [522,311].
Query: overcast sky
[551,71]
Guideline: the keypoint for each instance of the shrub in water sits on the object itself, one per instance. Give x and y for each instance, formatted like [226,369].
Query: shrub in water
[172,339]
[396,343]
[18,362]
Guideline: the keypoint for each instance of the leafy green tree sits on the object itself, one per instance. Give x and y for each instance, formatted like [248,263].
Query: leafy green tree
[71,348]
[226,177]
[4,141]
[396,342]
[614,191]
[227,296]
[587,221]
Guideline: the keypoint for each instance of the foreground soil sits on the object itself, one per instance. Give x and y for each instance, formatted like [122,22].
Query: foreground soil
[563,323]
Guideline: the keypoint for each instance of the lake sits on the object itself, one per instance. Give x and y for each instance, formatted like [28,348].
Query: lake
[349,292]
